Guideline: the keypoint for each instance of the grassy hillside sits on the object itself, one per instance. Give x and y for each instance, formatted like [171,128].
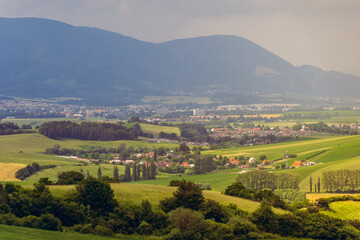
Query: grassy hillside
[342,152]
[218,181]
[22,233]
[344,210]
[25,149]
[135,193]
[155,129]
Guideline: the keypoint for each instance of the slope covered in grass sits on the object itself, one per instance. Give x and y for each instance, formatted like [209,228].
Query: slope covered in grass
[22,233]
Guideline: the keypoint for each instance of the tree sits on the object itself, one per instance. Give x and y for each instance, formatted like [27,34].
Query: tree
[135,175]
[311,184]
[116,172]
[318,185]
[188,195]
[262,157]
[127,177]
[184,148]
[87,174]
[69,177]
[144,171]
[99,172]
[264,217]
[97,194]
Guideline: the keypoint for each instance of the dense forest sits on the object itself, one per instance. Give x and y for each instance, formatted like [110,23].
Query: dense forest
[90,131]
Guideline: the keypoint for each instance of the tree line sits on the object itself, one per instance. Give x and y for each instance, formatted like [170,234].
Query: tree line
[323,127]
[258,180]
[9,128]
[90,131]
[341,180]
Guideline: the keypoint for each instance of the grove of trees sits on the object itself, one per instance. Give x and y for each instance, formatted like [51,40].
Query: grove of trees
[258,180]
[90,131]
[341,180]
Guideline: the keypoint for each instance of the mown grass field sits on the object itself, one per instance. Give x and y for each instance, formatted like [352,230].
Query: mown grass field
[22,233]
[8,170]
[155,129]
[315,196]
[135,193]
[218,181]
[344,210]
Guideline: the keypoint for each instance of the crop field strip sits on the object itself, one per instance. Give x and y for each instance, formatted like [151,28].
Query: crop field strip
[8,170]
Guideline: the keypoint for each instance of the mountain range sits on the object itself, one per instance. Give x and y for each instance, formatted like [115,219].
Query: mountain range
[42,58]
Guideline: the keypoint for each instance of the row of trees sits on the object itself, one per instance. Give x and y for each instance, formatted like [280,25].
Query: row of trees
[9,128]
[341,180]
[323,127]
[90,131]
[258,180]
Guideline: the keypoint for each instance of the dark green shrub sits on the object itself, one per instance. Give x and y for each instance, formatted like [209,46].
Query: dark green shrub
[87,229]
[103,231]
[144,229]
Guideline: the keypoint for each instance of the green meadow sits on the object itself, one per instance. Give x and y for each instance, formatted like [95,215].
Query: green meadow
[28,148]
[341,152]
[344,210]
[135,193]
[156,129]
[22,233]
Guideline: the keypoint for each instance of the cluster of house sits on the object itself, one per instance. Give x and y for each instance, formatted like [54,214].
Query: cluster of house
[163,161]
[238,133]
[163,140]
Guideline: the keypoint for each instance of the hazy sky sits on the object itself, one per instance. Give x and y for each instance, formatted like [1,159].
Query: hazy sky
[324,33]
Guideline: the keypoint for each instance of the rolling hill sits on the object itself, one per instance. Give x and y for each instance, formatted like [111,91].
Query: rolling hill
[46,59]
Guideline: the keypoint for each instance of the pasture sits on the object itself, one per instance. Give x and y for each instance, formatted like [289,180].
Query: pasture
[155,129]
[25,149]
[342,152]
[22,233]
[135,193]
[344,210]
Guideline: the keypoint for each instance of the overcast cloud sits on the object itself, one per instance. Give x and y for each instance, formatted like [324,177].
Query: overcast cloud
[323,33]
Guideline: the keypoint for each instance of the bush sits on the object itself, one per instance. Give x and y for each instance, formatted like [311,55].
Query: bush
[103,231]
[70,177]
[87,229]
[49,222]
[144,229]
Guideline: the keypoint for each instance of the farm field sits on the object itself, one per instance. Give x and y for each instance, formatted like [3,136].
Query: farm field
[28,148]
[22,233]
[342,152]
[176,99]
[135,193]
[344,210]
[155,129]
[218,181]
[315,196]
[8,170]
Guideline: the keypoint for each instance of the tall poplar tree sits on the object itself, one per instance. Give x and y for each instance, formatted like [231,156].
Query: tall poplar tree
[99,172]
[311,184]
